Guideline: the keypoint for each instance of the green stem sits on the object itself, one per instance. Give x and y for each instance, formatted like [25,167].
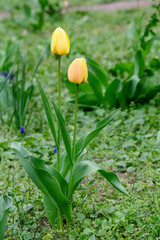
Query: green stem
[59,133]
[73,148]
[68,225]
[59,106]
[74,141]
[74,137]
[60,220]
[75,125]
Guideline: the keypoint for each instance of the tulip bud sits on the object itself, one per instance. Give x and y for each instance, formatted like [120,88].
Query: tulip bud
[77,71]
[60,44]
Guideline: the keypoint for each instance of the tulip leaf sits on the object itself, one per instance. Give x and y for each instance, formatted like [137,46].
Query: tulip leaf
[86,139]
[39,163]
[139,64]
[83,142]
[82,87]
[48,112]
[87,99]
[47,179]
[98,70]
[111,91]
[51,211]
[54,191]
[84,168]
[5,204]
[96,86]
[21,154]
[64,132]
[131,86]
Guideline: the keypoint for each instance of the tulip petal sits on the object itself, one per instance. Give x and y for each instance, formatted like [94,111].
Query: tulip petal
[60,43]
[85,71]
[76,71]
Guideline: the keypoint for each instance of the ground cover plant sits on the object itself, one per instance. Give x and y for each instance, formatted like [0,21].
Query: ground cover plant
[5,205]
[128,146]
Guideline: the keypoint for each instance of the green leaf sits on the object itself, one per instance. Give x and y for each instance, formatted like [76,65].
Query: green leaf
[51,211]
[96,86]
[39,62]
[149,95]
[84,168]
[64,132]
[131,86]
[39,163]
[86,139]
[48,113]
[139,64]
[158,139]
[98,71]
[27,10]
[21,154]
[2,86]
[123,67]
[5,204]
[83,88]
[121,96]
[155,63]
[54,191]
[110,95]
[46,178]
[86,99]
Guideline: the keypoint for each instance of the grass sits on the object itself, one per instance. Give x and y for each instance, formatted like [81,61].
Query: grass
[128,146]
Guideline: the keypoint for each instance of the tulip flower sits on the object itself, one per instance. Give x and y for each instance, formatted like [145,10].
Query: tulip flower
[77,71]
[60,44]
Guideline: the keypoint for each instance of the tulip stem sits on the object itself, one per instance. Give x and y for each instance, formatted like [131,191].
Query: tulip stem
[60,220]
[74,141]
[59,133]
[59,106]
[75,125]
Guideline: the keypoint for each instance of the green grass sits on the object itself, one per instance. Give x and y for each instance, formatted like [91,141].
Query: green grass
[128,146]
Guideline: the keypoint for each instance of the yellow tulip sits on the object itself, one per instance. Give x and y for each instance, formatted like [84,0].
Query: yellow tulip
[60,44]
[77,71]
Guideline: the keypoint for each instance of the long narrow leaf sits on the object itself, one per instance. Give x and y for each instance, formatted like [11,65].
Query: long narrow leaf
[84,168]
[64,132]
[39,62]
[39,163]
[96,86]
[86,139]
[48,113]
[5,204]
[54,191]
[46,180]
[98,70]
[51,211]
[6,80]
